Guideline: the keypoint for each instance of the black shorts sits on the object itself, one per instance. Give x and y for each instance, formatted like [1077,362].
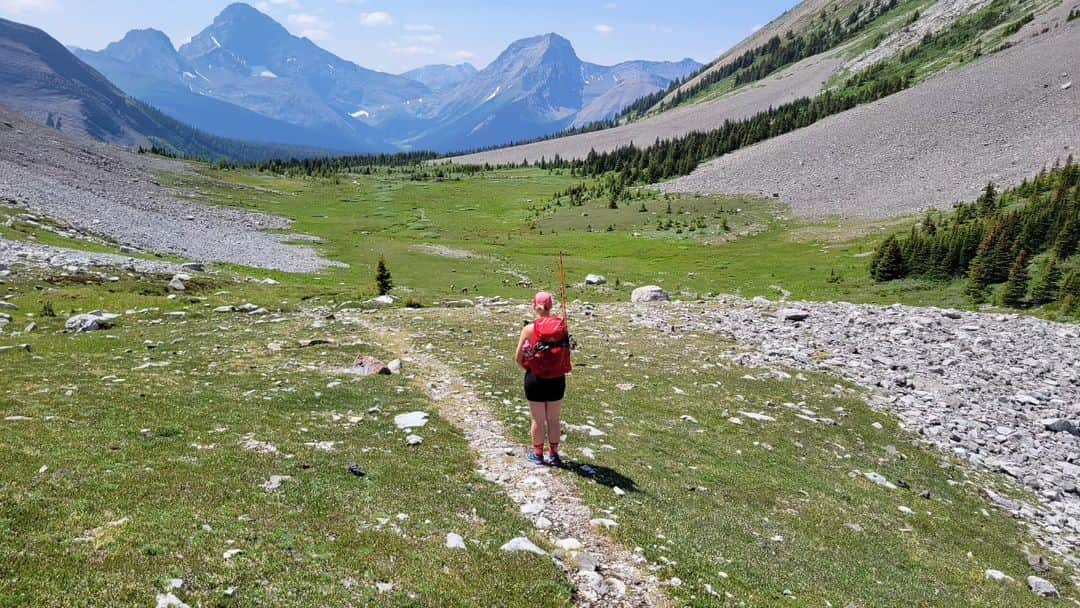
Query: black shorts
[543,390]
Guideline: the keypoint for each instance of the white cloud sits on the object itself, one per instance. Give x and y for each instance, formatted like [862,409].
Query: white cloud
[376,19]
[423,38]
[420,27]
[603,29]
[22,7]
[306,20]
[464,55]
[408,49]
[309,26]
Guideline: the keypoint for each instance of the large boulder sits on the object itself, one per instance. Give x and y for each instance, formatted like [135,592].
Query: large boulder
[91,321]
[649,293]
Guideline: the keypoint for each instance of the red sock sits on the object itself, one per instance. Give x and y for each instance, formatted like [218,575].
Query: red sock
[539,449]
[555,449]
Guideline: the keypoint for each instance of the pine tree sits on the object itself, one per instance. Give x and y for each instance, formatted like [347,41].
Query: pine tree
[1070,291]
[1014,293]
[1047,289]
[888,262]
[383,282]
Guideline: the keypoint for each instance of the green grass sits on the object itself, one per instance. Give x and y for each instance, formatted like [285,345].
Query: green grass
[710,497]
[159,450]
[505,221]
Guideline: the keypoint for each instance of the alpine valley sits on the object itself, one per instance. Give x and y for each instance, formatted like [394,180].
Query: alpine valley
[246,77]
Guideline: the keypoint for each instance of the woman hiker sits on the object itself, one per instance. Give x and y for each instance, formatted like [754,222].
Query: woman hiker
[544,352]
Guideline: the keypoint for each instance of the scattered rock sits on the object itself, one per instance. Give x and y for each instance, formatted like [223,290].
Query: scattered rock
[275,481]
[1042,587]
[168,600]
[369,366]
[177,284]
[880,480]
[414,440]
[394,366]
[595,279]
[316,342]
[522,545]
[997,576]
[231,553]
[1061,425]
[356,470]
[602,522]
[649,293]
[454,541]
[792,314]
[411,420]
[92,321]
[194,267]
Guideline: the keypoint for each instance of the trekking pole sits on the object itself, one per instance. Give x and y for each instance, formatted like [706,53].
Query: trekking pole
[562,284]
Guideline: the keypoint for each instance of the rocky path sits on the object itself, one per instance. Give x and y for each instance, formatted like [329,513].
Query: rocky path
[1001,391]
[603,572]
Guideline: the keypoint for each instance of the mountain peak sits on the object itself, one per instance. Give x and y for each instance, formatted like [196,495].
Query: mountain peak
[137,42]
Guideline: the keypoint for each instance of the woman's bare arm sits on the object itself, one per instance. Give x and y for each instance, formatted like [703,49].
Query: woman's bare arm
[526,335]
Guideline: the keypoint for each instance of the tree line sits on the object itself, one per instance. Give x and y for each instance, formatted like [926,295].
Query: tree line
[1024,239]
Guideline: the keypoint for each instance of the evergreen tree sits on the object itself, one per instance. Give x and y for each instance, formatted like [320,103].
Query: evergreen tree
[1014,293]
[987,201]
[1070,291]
[888,261]
[1048,287]
[383,282]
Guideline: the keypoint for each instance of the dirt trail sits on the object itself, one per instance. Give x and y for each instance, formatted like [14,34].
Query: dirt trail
[602,572]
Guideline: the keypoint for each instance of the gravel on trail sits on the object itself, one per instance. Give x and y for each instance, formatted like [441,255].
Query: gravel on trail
[115,193]
[1002,119]
[804,79]
[1001,391]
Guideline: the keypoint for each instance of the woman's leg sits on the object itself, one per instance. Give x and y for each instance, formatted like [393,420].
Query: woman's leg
[539,423]
[554,426]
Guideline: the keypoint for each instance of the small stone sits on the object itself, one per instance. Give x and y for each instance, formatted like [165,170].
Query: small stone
[411,420]
[275,481]
[542,523]
[595,279]
[792,314]
[168,600]
[854,527]
[880,480]
[522,545]
[1038,563]
[231,553]
[997,576]
[394,366]
[384,587]
[649,293]
[354,469]
[603,522]
[454,541]
[414,440]
[569,544]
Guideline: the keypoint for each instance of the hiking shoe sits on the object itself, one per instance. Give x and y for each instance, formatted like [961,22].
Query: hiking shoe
[537,460]
[555,461]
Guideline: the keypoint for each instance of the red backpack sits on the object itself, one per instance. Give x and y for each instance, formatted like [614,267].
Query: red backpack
[551,348]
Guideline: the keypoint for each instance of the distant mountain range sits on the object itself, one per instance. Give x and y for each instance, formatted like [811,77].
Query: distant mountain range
[246,77]
[42,80]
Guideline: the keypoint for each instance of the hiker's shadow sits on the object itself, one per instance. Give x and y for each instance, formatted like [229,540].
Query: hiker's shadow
[605,476]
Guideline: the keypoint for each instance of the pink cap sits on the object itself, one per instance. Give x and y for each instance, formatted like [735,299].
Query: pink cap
[544,300]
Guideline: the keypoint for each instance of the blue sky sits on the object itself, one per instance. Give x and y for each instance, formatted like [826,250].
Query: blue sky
[397,35]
